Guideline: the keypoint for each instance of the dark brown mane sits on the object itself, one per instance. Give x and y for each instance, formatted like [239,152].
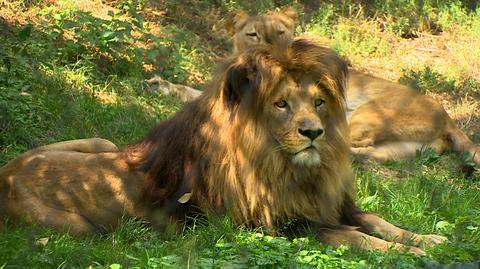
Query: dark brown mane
[217,149]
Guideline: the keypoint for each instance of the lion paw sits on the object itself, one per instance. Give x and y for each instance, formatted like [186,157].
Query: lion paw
[417,251]
[362,154]
[429,240]
[363,143]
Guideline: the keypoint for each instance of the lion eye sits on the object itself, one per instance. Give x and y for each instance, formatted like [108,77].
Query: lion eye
[319,102]
[280,32]
[281,104]
[252,34]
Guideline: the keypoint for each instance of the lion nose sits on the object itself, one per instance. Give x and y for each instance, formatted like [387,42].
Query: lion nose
[312,134]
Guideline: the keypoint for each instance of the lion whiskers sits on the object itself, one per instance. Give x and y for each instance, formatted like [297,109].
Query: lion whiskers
[277,148]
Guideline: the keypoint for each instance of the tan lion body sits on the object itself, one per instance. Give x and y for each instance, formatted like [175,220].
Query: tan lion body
[267,142]
[73,182]
[387,120]
[390,121]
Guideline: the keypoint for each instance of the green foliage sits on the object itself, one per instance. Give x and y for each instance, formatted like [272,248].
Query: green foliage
[183,56]
[111,42]
[321,24]
[401,18]
[428,80]
[218,245]
[359,38]
[455,17]
[430,200]
[406,16]
[75,75]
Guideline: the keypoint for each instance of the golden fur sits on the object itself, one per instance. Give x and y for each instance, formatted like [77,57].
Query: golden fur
[267,142]
[390,121]
[77,185]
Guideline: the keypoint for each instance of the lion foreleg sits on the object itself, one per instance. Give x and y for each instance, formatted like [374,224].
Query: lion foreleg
[376,225]
[391,151]
[182,92]
[348,235]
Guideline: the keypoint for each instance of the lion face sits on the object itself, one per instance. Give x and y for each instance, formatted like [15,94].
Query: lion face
[270,28]
[296,117]
[290,101]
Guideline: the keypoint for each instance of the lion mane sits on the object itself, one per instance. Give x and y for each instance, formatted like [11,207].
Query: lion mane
[218,148]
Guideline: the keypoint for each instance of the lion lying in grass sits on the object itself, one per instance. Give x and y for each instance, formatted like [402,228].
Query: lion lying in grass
[266,142]
[387,120]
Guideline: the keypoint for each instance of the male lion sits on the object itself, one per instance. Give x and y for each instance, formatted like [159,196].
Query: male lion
[387,120]
[266,142]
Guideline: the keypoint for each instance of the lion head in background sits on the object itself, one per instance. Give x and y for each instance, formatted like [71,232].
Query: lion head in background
[266,141]
[276,28]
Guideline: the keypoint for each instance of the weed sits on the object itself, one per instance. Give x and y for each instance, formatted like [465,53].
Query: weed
[428,80]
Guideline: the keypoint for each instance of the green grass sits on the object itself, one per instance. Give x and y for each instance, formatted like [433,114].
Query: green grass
[60,81]
[428,202]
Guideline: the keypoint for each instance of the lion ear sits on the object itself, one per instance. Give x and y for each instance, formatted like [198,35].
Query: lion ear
[290,12]
[233,19]
[238,82]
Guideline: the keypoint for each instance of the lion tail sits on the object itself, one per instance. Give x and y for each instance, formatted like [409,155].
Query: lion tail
[461,144]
